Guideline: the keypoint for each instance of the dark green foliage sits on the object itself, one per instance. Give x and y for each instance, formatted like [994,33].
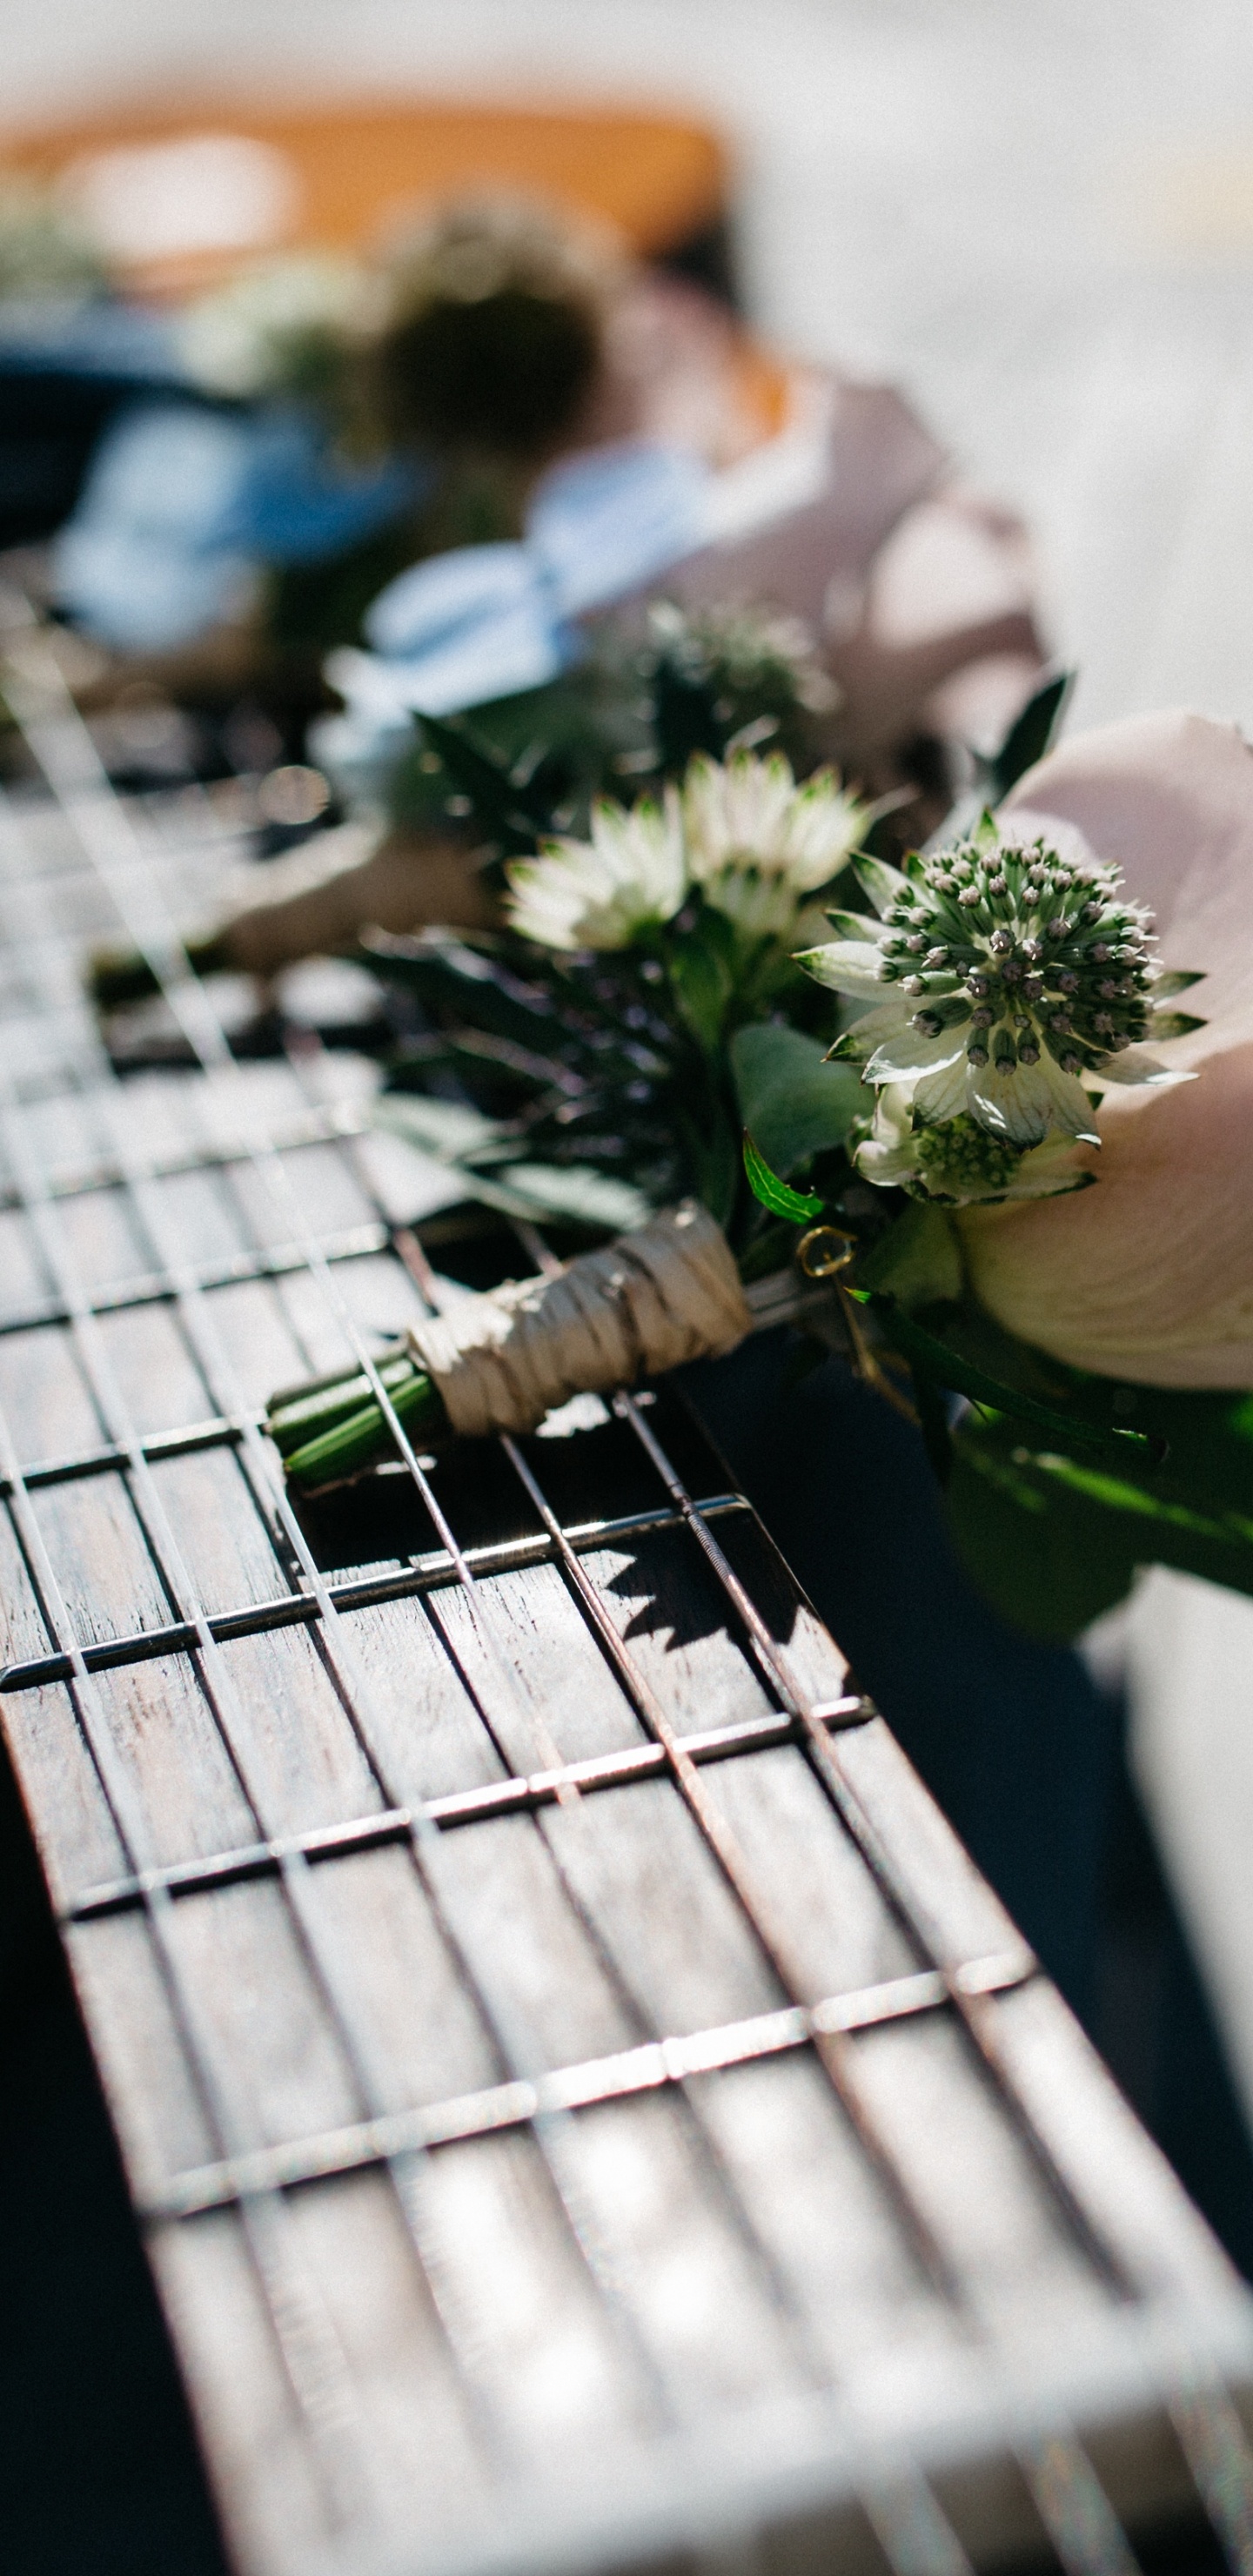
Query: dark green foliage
[1064,1484]
[1029,736]
[1054,1539]
[598,1067]
[959,1347]
[796,1103]
[618,724]
[524,767]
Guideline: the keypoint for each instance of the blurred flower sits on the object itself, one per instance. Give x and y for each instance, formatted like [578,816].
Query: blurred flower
[602,893]
[46,253]
[283,327]
[1013,980]
[493,337]
[757,843]
[1150,1276]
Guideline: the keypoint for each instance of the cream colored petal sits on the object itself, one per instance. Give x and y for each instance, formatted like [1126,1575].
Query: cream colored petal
[847,965]
[909,1053]
[1070,1108]
[1135,1068]
[944,1093]
[884,1160]
[1148,1276]
[1013,1103]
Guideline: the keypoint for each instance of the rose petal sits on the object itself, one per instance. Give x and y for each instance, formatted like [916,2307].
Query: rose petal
[1150,1275]
[1169,798]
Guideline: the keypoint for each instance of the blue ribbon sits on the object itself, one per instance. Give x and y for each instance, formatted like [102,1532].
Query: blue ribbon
[485,622]
[183,502]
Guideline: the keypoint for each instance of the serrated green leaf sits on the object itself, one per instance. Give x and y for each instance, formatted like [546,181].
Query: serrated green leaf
[799,1205]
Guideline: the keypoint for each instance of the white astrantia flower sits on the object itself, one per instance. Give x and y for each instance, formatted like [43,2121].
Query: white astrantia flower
[757,843]
[1011,983]
[631,876]
[959,1163]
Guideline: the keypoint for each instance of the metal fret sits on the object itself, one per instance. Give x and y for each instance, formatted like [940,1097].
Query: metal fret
[570,2088]
[431,1573]
[463,1807]
[153,1289]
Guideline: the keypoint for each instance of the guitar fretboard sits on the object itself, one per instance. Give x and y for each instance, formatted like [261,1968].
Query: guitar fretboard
[580,2098]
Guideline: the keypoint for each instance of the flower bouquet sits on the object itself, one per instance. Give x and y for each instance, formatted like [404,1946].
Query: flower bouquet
[1019,1163]
[610,1045]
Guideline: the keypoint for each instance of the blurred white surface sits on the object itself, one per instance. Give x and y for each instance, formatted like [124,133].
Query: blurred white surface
[1191,1672]
[1041,220]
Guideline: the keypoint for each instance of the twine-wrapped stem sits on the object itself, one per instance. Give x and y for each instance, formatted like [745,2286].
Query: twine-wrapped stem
[665,1293]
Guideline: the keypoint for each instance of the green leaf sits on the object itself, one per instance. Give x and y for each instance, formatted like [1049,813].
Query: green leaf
[774,1194]
[1029,735]
[1048,1561]
[450,977]
[1053,1541]
[462,1141]
[509,813]
[795,1103]
[573,1190]
[918,1260]
[447,1130]
[713,1153]
[936,1348]
[701,974]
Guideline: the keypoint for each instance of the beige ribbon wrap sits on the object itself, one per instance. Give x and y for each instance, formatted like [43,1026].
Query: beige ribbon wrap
[667,1292]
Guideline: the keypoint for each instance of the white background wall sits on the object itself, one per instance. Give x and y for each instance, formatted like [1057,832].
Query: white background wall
[1039,215]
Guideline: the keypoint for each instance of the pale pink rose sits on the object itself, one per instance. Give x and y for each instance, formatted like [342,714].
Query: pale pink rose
[1149,1276]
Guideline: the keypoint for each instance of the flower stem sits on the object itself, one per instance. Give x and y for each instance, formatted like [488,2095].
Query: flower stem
[335,1430]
